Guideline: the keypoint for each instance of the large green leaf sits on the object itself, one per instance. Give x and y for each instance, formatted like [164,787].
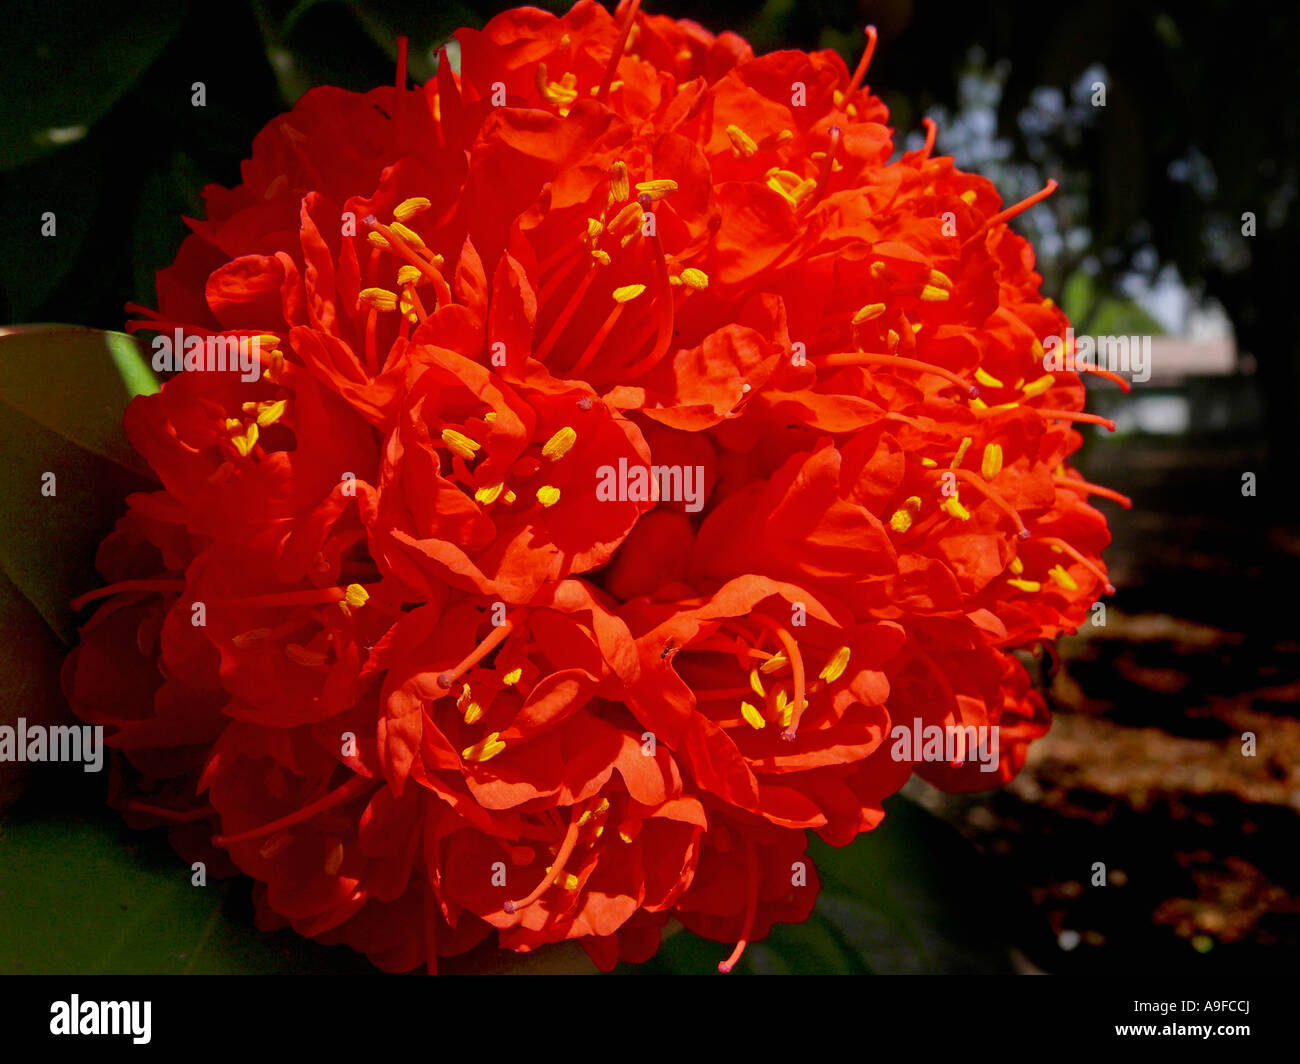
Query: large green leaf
[62,393]
[910,897]
[84,896]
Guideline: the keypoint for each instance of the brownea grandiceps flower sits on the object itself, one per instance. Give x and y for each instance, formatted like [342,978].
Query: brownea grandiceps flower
[643,469]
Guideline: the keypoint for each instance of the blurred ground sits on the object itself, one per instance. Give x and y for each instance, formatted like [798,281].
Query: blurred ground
[1143,769]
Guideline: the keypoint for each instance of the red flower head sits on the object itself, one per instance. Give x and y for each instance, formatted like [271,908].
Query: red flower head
[642,471]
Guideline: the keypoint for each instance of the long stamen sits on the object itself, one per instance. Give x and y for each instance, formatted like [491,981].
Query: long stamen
[611,68]
[1076,415]
[979,484]
[553,334]
[666,313]
[931,131]
[828,164]
[796,667]
[354,787]
[1091,566]
[555,871]
[1013,210]
[494,639]
[1098,371]
[861,71]
[1095,489]
[128,585]
[864,358]
[751,907]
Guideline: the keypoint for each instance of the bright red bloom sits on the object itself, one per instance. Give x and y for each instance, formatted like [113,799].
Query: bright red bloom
[644,471]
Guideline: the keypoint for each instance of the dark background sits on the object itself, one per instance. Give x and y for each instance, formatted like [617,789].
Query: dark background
[1143,769]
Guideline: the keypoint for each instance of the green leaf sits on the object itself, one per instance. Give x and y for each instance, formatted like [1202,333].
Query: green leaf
[62,393]
[76,62]
[910,897]
[84,896]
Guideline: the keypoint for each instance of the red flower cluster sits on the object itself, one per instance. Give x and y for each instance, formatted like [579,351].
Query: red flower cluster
[637,449]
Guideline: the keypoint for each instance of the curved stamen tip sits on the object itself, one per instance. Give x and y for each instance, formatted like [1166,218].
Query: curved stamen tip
[1024,533]
[1109,589]
[509,907]
[645,199]
[446,679]
[789,735]
[725,967]
[974,392]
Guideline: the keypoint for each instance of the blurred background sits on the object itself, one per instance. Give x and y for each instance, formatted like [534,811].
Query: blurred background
[1177,218]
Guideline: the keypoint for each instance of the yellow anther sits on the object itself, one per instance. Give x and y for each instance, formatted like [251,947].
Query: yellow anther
[473,713]
[695,279]
[628,293]
[548,495]
[302,656]
[560,444]
[773,663]
[933,294]
[618,186]
[656,189]
[836,666]
[460,444]
[913,503]
[275,845]
[962,448]
[901,521]
[487,496]
[1016,566]
[509,497]
[512,677]
[253,635]
[785,136]
[785,707]
[594,228]
[355,596]
[486,748]
[878,267]
[271,412]
[1062,578]
[968,197]
[929,463]
[741,142]
[630,217]
[937,277]
[1039,386]
[378,241]
[892,338]
[490,416]
[871,310]
[1026,585]
[987,379]
[379,298]
[756,684]
[570,881]
[837,98]
[991,463]
[409,235]
[246,440]
[602,257]
[408,275]
[953,508]
[752,716]
[979,405]
[333,857]
[409,208]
